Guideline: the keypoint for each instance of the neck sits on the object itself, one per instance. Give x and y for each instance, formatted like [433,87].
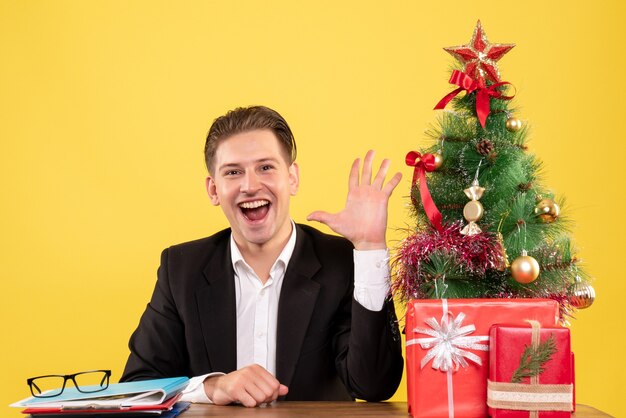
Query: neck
[261,257]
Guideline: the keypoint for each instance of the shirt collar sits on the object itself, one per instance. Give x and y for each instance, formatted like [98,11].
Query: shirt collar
[283,257]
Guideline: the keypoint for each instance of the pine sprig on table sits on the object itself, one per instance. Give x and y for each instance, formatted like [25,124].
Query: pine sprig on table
[533,359]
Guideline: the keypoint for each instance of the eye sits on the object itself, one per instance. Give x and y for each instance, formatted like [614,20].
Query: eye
[231,173]
[266,167]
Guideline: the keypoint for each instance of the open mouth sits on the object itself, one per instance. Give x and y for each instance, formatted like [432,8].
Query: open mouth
[255,210]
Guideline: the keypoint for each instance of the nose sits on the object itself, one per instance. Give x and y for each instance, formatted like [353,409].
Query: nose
[250,183]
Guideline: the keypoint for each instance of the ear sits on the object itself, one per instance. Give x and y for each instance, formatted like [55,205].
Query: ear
[211,190]
[294,178]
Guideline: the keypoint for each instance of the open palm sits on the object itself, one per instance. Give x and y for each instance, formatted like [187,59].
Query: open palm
[363,221]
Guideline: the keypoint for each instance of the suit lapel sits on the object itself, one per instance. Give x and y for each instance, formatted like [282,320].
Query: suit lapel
[297,301]
[216,305]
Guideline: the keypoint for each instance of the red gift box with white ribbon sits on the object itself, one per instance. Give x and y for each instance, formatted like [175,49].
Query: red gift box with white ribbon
[447,350]
[531,372]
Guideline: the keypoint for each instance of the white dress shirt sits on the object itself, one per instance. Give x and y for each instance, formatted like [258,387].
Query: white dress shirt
[257,305]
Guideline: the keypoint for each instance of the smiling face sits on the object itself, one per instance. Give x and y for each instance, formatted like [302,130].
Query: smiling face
[253,182]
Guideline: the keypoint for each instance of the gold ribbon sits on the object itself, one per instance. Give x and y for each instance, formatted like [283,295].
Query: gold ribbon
[534,397]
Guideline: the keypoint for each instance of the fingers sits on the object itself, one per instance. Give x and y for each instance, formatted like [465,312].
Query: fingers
[257,393]
[379,180]
[366,176]
[320,216]
[382,172]
[247,400]
[263,387]
[268,387]
[353,179]
[392,183]
[251,386]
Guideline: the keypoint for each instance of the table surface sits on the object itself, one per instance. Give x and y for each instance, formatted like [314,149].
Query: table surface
[330,409]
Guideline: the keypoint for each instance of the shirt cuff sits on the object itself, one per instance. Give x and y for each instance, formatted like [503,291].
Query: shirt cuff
[371,278]
[194,392]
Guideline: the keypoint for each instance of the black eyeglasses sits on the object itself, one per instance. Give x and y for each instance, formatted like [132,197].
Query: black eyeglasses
[54,384]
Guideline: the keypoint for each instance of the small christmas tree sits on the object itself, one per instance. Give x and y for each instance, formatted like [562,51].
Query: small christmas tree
[486,226]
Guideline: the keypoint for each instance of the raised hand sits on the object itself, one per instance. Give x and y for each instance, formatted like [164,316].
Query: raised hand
[250,386]
[364,219]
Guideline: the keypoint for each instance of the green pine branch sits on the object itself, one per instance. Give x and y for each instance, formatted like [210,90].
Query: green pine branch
[533,359]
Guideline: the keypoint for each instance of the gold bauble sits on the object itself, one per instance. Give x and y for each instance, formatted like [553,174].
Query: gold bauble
[547,210]
[581,295]
[513,124]
[473,211]
[438,160]
[525,269]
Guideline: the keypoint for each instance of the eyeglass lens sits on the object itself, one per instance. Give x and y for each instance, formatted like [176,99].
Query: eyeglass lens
[47,385]
[91,381]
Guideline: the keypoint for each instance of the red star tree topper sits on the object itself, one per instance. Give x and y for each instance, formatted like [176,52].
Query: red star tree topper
[479,57]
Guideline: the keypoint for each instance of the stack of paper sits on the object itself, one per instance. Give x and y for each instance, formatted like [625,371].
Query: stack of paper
[158,397]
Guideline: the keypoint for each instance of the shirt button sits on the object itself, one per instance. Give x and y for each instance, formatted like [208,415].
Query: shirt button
[262,292]
[260,334]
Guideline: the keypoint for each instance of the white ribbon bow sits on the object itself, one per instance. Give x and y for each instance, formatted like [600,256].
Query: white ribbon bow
[449,342]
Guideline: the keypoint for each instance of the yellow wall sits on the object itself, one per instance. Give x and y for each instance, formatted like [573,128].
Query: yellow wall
[104,107]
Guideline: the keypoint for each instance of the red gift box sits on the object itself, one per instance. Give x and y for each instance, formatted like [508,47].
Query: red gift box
[446,350]
[551,392]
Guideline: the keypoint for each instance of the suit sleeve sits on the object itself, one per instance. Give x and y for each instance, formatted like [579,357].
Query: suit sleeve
[157,346]
[368,349]
[369,353]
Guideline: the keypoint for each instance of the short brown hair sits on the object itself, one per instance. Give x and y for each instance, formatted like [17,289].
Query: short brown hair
[244,119]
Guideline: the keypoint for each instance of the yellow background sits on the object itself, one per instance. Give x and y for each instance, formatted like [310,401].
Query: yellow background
[104,107]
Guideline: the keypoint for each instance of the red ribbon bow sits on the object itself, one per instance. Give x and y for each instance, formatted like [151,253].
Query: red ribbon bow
[422,164]
[483,93]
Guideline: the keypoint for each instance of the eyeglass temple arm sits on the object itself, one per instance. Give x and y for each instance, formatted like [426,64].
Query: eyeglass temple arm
[33,384]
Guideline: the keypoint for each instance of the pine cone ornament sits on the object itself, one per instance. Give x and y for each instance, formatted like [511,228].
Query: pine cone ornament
[484,147]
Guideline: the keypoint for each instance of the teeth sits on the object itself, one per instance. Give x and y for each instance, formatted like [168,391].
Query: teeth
[255,204]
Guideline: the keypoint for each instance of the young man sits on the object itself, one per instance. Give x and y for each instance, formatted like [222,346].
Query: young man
[269,309]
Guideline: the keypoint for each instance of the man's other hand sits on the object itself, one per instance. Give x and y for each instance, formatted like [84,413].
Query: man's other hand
[251,386]
[364,219]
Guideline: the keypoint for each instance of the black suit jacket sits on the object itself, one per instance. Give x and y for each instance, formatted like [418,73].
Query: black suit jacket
[329,347]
